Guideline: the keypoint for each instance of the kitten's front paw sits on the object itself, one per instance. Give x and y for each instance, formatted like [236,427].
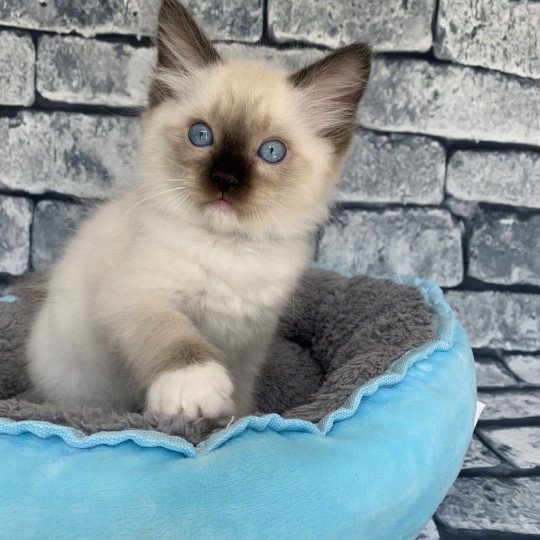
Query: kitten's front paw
[198,390]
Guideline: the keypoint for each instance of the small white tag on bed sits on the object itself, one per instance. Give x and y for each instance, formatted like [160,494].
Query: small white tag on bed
[479,408]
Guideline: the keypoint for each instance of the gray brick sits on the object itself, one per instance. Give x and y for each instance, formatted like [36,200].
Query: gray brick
[505,248]
[88,18]
[496,34]
[17,65]
[507,505]
[15,219]
[392,25]
[510,405]
[402,241]
[525,366]
[76,154]
[236,19]
[451,101]
[499,320]
[54,223]
[519,445]
[240,20]
[492,373]
[463,209]
[78,70]
[497,177]
[393,169]
[293,58]
[480,456]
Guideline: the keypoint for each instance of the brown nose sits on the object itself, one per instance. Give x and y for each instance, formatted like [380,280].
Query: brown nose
[223,181]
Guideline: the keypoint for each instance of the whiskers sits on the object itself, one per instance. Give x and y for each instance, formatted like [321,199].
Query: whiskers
[158,191]
[163,202]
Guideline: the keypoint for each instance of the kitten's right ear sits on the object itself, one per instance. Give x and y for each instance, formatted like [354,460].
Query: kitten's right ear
[333,87]
[181,47]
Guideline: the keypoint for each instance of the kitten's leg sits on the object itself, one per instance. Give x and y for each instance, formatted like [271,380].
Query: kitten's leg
[180,370]
[69,363]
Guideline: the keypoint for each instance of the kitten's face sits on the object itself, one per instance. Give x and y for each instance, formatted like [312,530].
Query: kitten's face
[227,185]
[234,146]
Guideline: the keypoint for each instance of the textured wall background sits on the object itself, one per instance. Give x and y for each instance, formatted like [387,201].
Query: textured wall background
[443,180]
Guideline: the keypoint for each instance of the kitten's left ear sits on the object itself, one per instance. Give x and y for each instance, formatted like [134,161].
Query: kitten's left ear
[332,88]
[181,47]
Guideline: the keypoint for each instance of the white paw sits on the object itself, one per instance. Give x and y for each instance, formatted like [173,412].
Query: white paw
[198,390]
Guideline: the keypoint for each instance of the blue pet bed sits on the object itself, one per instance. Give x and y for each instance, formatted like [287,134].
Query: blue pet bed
[376,466]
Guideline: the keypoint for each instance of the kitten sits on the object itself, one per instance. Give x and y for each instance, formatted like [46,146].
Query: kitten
[167,298]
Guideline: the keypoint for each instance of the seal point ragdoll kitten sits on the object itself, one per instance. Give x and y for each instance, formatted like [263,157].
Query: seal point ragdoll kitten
[167,298]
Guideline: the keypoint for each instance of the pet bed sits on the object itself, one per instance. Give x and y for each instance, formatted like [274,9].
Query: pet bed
[366,409]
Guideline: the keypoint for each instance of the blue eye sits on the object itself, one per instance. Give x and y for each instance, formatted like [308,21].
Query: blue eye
[200,134]
[272,151]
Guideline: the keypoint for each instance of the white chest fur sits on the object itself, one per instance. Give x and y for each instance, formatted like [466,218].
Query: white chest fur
[232,290]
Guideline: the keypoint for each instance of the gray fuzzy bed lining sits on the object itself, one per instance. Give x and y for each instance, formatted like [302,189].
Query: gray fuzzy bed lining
[341,333]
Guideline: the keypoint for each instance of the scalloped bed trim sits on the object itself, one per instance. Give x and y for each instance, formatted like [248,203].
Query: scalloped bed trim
[275,422]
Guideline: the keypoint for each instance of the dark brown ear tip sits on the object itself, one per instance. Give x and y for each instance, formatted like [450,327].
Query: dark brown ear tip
[166,7]
[363,47]
[362,50]
[171,4]
[363,54]
[358,51]
[173,10]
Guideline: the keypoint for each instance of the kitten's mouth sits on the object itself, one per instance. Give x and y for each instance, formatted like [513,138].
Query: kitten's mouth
[222,205]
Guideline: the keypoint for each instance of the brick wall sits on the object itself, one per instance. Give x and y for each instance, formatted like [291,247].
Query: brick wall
[443,180]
